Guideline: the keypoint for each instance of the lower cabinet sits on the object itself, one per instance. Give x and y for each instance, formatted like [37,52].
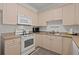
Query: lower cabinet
[36,39]
[40,40]
[67,45]
[52,43]
[46,42]
[56,44]
[11,46]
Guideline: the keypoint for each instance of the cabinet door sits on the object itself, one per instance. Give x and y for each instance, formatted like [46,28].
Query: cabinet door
[35,19]
[67,46]
[77,14]
[1,6]
[42,19]
[43,41]
[46,42]
[57,14]
[53,14]
[12,46]
[22,10]
[10,13]
[40,40]
[36,37]
[56,44]
[69,14]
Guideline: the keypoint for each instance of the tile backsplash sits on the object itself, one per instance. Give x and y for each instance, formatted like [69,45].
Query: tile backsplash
[74,28]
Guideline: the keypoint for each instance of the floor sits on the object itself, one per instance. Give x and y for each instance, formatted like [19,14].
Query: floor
[42,51]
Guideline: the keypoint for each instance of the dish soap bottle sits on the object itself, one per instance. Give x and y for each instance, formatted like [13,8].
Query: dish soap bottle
[71,31]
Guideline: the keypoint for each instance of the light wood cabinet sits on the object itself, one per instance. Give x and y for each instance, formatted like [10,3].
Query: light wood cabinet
[53,14]
[34,19]
[24,11]
[10,13]
[56,44]
[36,37]
[57,14]
[67,46]
[52,43]
[77,14]
[46,42]
[69,14]
[12,46]
[41,20]
[40,40]
[1,6]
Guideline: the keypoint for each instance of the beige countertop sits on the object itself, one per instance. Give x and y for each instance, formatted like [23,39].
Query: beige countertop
[9,36]
[55,34]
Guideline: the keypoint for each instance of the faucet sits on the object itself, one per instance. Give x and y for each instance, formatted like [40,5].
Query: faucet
[24,32]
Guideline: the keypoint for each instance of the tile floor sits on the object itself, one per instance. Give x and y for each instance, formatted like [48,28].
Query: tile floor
[42,51]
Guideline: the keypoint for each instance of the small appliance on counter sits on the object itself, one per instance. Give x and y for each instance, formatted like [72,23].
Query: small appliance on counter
[36,29]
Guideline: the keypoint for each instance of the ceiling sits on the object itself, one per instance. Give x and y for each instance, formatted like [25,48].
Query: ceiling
[44,6]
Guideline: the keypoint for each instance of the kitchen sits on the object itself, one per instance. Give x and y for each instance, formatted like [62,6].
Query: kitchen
[50,29]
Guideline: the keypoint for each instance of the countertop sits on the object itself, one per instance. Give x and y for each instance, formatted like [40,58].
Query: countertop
[9,36]
[55,34]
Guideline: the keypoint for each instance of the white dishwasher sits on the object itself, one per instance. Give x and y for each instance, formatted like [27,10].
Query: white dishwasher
[75,48]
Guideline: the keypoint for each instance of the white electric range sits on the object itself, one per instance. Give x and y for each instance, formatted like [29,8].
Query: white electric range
[27,44]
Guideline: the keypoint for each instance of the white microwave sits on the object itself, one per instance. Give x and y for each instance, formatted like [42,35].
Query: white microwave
[24,20]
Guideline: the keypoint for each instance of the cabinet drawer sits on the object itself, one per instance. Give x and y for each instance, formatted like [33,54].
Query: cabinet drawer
[12,46]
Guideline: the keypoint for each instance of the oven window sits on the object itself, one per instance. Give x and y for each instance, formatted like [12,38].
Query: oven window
[28,43]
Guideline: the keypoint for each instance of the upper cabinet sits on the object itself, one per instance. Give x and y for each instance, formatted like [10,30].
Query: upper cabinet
[35,19]
[77,14]
[12,10]
[1,5]
[57,14]
[27,12]
[10,13]
[42,17]
[69,14]
[22,10]
[52,14]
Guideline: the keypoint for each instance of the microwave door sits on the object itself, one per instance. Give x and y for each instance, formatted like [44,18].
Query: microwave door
[22,20]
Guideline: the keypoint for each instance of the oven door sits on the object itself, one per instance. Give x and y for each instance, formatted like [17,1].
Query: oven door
[27,43]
